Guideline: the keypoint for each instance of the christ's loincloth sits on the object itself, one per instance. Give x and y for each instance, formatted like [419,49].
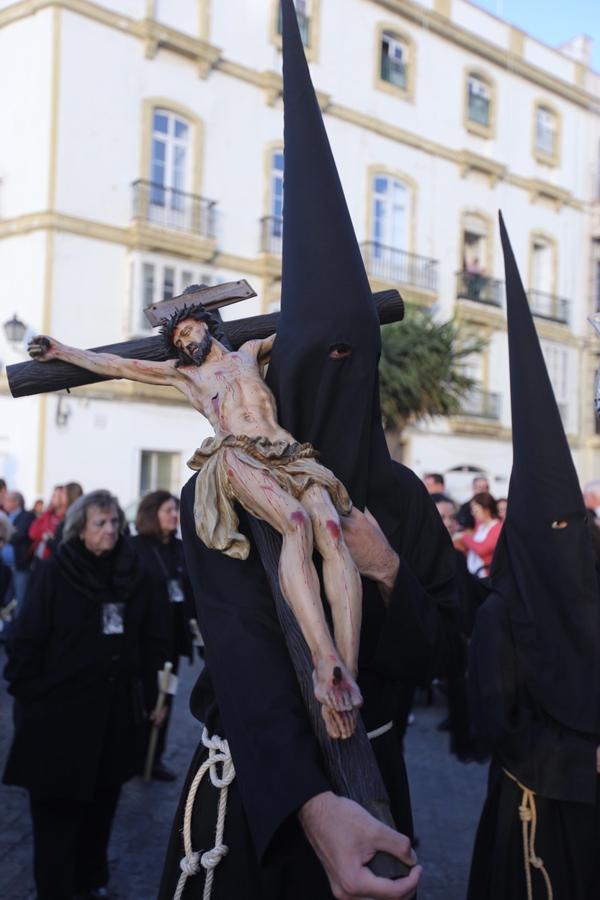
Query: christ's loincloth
[292,465]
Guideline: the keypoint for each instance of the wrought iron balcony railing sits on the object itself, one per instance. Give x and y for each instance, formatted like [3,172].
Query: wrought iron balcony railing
[271,234]
[169,208]
[548,306]
[479,288]
[400,267]
[482,404]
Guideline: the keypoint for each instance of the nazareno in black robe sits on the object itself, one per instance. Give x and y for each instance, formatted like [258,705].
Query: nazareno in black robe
[260,710]
[331,401]
[534,668]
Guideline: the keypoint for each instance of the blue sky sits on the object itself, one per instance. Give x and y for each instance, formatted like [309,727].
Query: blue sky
[550,21]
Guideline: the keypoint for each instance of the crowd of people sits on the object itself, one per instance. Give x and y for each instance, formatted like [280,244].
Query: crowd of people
[91,614]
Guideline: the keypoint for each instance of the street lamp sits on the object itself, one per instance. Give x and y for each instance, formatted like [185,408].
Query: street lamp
[15,331]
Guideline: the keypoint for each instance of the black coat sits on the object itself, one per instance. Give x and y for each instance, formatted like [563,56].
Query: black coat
[80,695]
[162,562]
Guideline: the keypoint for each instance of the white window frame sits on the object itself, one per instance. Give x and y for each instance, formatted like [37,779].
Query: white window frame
[185,273]
[397,52]
[382,223]
[168,204]
[559,365]
[546,126]
[478,87]
[153,485]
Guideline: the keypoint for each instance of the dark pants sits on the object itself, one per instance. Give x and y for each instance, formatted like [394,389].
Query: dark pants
[70,843]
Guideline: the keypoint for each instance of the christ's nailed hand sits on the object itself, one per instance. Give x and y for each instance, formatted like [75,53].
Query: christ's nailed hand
[346,837]
[42,348]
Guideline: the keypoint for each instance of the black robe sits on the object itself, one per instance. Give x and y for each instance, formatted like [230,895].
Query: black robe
[260,710]
[162,562]
[558,763]
[80,695]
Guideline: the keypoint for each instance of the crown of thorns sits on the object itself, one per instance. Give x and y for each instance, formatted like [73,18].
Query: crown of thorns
[195,311]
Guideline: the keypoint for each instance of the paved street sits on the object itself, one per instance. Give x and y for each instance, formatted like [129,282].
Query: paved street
[447,797]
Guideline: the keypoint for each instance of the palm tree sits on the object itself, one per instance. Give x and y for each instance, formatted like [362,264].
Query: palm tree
[422,371]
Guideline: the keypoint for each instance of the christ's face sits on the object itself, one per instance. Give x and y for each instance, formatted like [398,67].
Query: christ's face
[192,338]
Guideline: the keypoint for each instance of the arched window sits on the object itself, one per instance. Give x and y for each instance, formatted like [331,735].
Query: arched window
[169,174]
[272,223]
[390,211]
[303,14]
[546,134]
[394,60]
[479,104]
[395,66]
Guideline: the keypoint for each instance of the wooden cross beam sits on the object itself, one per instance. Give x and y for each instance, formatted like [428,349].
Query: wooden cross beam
[28,378]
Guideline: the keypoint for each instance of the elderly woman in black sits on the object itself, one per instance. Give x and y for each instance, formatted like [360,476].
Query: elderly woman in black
[83,659]
[161,554]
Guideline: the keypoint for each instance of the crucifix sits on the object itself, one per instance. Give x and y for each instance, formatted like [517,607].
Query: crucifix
[254,461]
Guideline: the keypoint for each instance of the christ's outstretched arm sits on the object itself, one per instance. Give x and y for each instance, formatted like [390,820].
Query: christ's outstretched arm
[45,349]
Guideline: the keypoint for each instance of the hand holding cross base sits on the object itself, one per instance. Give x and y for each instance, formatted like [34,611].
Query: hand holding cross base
[253,460]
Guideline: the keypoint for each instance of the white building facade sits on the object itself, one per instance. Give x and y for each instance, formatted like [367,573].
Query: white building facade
[142,151]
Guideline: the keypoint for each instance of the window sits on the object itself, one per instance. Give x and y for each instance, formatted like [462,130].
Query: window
[390,211]
[596,273]
[272,224]
[557,363]
[169,169]
[394,60]
[542,265]
[479,117]
[546,134]
[303,12]
[473,280]
[155,280]
[159,471]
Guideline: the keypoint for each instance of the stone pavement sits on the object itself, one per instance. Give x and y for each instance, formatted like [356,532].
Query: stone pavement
[447,797]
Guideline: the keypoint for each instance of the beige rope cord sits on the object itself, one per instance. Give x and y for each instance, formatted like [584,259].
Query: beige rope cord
[218,753]
[528,816]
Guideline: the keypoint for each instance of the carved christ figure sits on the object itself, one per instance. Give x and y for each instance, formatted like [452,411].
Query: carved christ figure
[253,460]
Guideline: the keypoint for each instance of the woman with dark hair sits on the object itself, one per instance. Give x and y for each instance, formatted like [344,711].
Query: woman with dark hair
[82,667]
[480,543]
[161,555]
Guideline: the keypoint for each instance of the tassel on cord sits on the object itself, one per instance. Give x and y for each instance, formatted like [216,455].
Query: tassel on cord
[193,861]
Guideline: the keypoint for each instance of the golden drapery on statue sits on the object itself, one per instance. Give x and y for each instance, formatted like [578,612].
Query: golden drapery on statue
[292,465]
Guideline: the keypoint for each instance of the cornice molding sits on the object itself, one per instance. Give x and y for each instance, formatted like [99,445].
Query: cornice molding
[503,57]
[208,57]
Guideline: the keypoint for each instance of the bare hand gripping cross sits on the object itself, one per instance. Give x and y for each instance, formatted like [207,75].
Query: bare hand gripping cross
[253,460]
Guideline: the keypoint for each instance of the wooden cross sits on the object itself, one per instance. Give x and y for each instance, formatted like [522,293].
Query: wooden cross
[25,379]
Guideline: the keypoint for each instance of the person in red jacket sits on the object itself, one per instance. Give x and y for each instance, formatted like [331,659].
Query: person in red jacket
[479,544]
[42,530]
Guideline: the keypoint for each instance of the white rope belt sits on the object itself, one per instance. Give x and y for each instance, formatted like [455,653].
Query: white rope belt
[528,816]
[218,753]
[383,729]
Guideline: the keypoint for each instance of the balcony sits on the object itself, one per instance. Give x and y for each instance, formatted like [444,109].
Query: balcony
[479,404]
[399,267]
[479,288]
[174,210]
[271,235]
[549,306]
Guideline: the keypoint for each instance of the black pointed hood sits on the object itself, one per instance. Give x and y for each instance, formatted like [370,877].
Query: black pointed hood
[326,298]
[544,565]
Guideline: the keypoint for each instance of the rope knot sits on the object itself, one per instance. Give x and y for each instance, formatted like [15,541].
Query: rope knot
[525,814]
[189,864]
[212,858]
[536,862]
